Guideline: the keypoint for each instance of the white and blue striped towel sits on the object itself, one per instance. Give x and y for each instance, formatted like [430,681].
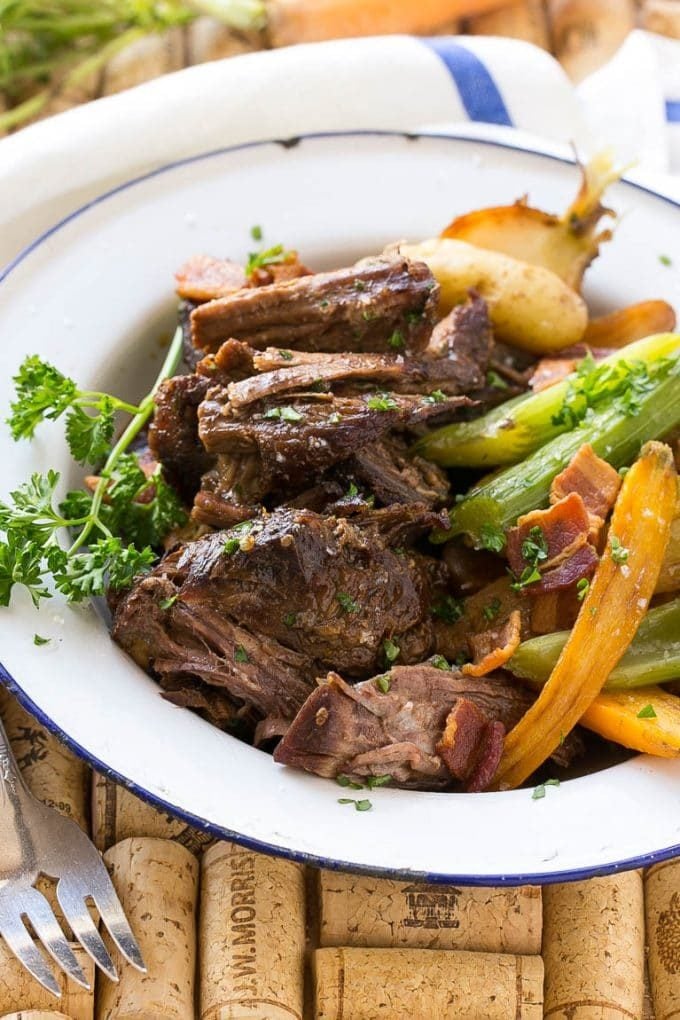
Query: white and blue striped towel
[392,83]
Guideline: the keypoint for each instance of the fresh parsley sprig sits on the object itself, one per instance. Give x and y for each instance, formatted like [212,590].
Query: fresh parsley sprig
[114,528]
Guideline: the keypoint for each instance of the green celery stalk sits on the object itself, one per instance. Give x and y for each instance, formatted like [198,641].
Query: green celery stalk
[511,431]
[495,503]
[652,658]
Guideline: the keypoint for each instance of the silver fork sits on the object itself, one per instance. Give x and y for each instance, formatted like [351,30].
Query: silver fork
[36,839]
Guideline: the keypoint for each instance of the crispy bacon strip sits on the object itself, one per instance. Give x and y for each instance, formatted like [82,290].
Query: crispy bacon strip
[471,745]
[564,527]
[493,648]
[596,482]
[578,564]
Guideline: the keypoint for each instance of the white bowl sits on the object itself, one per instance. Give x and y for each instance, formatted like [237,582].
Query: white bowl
[94,295]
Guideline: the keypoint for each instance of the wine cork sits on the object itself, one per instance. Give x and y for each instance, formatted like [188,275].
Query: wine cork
[527,20]
[662,910]
[34,1014]
[662,16]
[356,910]
[585,35]
[157,882]
[52,773]
[374,984]
[251,936]
[118,814]
[594,949]
[21,995]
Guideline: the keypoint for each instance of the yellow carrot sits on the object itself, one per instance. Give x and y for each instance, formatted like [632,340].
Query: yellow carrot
[626,325]
[646,719]
[296,21]
[616,602]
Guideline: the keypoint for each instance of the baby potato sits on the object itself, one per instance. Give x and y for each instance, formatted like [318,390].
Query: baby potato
[530,306]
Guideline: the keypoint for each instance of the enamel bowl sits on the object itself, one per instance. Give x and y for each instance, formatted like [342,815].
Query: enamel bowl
[94,295]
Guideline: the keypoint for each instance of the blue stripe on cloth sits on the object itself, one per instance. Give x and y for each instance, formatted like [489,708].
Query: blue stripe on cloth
[673,110]
[478,91]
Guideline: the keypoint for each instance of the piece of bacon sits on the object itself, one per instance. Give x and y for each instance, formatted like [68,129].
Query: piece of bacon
[578,565]
[203,278]
[564,526]
[493,648]
[596,482]
[471,745]
[554,610]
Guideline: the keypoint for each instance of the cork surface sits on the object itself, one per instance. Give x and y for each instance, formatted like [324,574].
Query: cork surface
[321,944]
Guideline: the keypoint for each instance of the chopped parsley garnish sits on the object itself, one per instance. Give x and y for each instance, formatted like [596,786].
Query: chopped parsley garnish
[168,602]
[270,257]
[530,575]
[413,317]
[624,383]
[347,781]
[256,232]
[448,609]
[436,397]
[335,418]
[492,538]
[287,413]
[39,640]
[582,588]
[359,805]
[381,402]
[359,285]
[491,611]
[665,260]
[347,603]
[352,492]
[373,782]
[496,380]
[383,682]
[396,341]
[439,662]
[231,546]
[290,619]
[619,552]
[535,547]
[391,649]
[647,712]
[286,355]
[240,654]
[539,792]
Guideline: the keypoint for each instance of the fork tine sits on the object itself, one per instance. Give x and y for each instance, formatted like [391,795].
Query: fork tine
[113,916]
[84,928]
[15,934]
[40,914]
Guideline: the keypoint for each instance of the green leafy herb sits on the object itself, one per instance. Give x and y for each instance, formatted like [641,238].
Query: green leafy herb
[347,781]
[665,260]
[359,285]
[290,620]
[115,528]
[491,611]
[439,662]
[582,588]
[240,654]
[535,547]
[383,682]
[530,575]
[436,397]
[539,792]
[624,383]
[396,341]
[287,413]
[231,546]
[448,609]
[359,805]
[270,257]
[647,712]
[391,650]
[168,602]
[352,492]
[38,640]
[381,402]
[373,782]
[618,551]
[335,418]
[492,538]
[286,355]
[256,233]
[496,380]
[347,603]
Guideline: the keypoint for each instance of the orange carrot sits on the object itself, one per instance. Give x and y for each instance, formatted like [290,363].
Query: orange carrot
[646,719]
[616,602]
[297,21]
[626,325]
